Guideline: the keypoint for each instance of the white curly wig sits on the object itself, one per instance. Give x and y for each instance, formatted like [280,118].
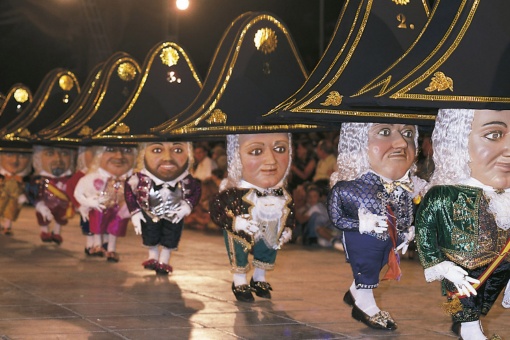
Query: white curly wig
[352,160]
[450,140]
[140,161]
[235,168]
[36,157]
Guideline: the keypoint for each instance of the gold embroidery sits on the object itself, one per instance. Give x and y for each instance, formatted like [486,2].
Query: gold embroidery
[169,56]
[334,98]
[401,2]
[85,131]
[440,82]
[126,71]
[66,82]
[266,40]
[21,95]
[122,128]
[217,117]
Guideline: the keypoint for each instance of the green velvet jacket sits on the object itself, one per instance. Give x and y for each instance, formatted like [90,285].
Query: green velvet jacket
[453,223]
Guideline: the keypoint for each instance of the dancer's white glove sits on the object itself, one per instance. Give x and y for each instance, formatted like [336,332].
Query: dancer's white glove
[409,237]
[93,203]
[22,199]
[369,222]
[286,237]
[181,211]
[458,277]
[84,212]
[242,223]
[506,296]
[45,212]
[137,219]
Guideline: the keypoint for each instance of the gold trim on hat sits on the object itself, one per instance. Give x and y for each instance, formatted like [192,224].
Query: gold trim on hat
[334,99]
[440,82]
[66,82]
[21,95]
[401,2]
[127,71]
[266,40]
[217,117]
[169,56]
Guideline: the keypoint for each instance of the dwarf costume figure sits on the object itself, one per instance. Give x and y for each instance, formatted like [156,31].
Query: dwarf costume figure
[254,209]
[462,224]
[53,166]
[84,161]
[100,194]
[372,203]
[14,167]
[159,195]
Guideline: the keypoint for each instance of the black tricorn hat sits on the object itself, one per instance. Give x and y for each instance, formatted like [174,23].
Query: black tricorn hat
[255,66]
[14,102]
[89,89]
[57,91]
[369,36]
[168,84]
[117,81]
[461,60]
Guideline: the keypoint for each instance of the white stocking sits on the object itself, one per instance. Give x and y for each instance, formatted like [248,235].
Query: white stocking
[472,331]
[366,302]
[56,229]
[112,243]
[240,279]
[164,256]
[259,275]
[506,296]
[153,253]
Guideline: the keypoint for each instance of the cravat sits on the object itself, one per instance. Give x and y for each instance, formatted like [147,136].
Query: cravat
[270,192]
[391,186]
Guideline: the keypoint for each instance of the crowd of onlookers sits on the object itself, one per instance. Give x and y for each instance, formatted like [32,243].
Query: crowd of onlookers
[314,160]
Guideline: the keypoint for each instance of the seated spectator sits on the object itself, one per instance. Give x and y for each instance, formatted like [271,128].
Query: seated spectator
[203,163]
[325,166]
[314,223]
[303,164]
[219,155]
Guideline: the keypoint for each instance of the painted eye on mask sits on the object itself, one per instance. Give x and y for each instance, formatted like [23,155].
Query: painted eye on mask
[494,135]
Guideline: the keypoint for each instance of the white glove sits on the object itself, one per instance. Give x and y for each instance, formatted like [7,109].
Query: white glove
[286,236]
[506,296]
[458,277]
[92,203]
[409,237]
[242,223]
[22,199]
[181,211]
[369,222]
[45,212]
[137,220]
[84,212]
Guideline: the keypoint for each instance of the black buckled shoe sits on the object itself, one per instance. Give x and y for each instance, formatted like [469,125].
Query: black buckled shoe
[381,320]
[348,298]
[261,288]
[243,293]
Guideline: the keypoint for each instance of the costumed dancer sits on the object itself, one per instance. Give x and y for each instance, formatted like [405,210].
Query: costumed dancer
[462,224]
[14,167]
[254,209]
[372,203]
[84,160]
[100,194]
[159,195]
[53,166]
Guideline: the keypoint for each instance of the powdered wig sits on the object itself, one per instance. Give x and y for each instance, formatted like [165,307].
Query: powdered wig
[140,161]
[36,157]
[352,160]
[235,168]
[450,140]
[100,150]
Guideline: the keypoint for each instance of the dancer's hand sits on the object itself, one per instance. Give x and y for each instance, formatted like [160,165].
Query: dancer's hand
[181,211]
[409,237]
[45,212]
[286,237]
[137,219]
[243,223]
[458,277]
[369,222]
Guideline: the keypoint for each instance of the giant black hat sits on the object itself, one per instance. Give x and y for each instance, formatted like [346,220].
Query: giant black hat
[369,36]
[255,66]
[57,91]
[15,101]
[461,60]
[117,81]
[168,84]
[90,89]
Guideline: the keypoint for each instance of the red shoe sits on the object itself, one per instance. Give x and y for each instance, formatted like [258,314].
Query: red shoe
[163,269]
[96,251]
[56,238]
[45,237]
[150,264]
[7,231]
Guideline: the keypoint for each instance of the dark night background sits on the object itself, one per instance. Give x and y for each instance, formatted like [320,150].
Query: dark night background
[37,36]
